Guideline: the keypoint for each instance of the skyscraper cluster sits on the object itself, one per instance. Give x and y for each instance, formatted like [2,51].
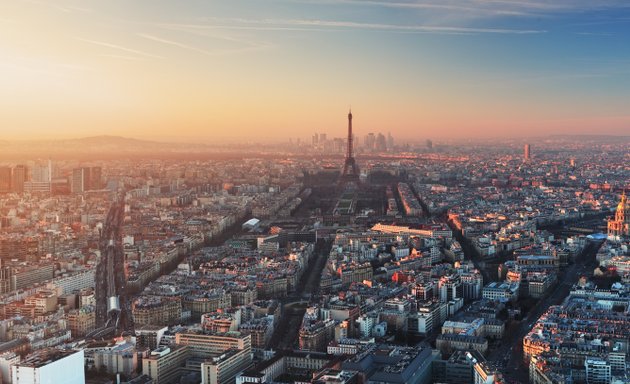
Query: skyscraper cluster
[378,142]
[372,142]
[43,178]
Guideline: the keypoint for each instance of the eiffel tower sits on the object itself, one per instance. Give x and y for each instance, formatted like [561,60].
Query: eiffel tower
[350,172]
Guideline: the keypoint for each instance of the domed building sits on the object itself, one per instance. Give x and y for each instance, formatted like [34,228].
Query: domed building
[619,228]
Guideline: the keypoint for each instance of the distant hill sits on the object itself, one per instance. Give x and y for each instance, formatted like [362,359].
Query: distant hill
[95,146]
[110,140]
[592,138]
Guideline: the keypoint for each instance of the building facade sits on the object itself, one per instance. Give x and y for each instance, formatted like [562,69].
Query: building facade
[50,366]
[619,228]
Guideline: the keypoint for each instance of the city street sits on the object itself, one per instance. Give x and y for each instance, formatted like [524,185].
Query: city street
[510,354]
[286,333]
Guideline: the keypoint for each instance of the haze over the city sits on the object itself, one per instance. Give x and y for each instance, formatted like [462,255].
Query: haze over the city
[284,68]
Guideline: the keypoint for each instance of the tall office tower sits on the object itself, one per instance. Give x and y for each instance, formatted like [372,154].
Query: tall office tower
[526,152]
[40,173]
[381,143]
[79,180]
[390,142]
[113,308]
[96,174]
[86,179]
[370,141]
[6,272]
[20,175]
[350,172]
[5,179]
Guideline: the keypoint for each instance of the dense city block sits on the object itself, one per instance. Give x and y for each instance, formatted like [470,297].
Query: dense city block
[402,264]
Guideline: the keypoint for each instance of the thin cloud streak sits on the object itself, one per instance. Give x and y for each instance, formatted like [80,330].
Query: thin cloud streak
[119,47]
[593,34]
[425,5]
[201,31]
[410,28]
[558,5]
[59,7]
[251,47]
[187,27]
[122,57]
[558,77]
[304,23]
[174,43]
[488,8]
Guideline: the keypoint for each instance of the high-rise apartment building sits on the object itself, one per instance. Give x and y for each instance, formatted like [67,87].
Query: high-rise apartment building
[80,177]
[96,175]
[50,366]
[598,371]
[80,180]
[165,364]
[205,344]
[86,179]
[224,368]
[526,152]
[449,288]
[5,179]
[19,176]
[7,360]
[41,173]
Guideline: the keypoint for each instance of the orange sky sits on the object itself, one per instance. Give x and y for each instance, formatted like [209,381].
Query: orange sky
[243,69]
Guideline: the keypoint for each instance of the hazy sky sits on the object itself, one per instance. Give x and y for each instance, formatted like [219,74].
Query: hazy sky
[269,68]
